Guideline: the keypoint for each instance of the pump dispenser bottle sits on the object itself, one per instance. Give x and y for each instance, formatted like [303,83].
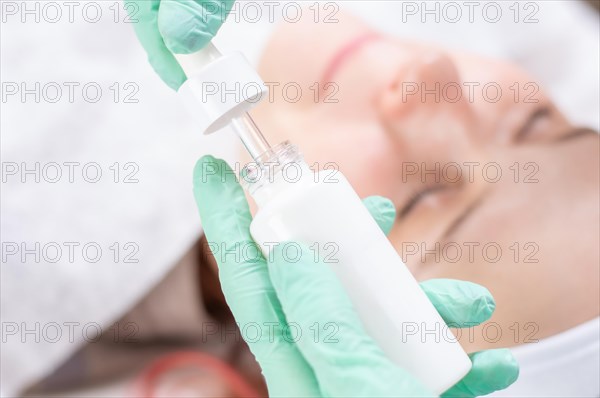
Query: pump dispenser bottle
[322,210]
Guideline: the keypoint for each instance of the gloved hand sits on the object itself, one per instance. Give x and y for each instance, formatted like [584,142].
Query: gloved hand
[175,26]
[333,356]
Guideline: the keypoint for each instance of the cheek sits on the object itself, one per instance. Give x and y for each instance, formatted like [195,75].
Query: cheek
[361,151]
[360,147]
[498,93]
[369,162]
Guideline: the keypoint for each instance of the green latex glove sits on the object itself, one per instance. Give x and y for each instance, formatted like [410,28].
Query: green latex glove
[175,26]
[275,295]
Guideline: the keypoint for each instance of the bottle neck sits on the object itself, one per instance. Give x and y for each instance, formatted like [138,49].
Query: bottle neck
[274,171]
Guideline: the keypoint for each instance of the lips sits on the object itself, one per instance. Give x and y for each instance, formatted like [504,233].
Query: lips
[345,52]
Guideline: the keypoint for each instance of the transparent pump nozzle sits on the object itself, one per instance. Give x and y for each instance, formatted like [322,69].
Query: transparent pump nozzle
[208,68]
[251,137]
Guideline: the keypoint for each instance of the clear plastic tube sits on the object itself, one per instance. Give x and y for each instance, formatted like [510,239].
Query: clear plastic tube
[251,137]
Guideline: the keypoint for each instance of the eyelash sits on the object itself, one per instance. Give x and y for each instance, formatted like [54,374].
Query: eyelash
[538,114]
[416,197]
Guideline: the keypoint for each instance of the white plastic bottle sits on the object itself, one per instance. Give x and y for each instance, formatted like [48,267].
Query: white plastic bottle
[322,209]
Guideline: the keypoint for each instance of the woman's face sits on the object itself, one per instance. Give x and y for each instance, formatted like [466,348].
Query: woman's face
[493,187]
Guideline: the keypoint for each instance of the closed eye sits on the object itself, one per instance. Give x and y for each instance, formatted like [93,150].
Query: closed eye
[415,198]
[538,115]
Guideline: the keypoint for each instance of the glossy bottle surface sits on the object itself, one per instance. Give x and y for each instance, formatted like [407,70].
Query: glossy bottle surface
[324,212]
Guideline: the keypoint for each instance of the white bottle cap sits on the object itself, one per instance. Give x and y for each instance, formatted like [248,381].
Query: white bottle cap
[219,87]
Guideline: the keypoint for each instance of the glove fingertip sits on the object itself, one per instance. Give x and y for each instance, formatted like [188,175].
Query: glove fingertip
[187,27]
[510,367]
[492,370]
[213,178]
[483,303]
[382,210]
[499,364]
[460,302]
[202,167]
[165,66]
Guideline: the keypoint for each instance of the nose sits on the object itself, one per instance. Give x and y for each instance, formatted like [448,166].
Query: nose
[424,109]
